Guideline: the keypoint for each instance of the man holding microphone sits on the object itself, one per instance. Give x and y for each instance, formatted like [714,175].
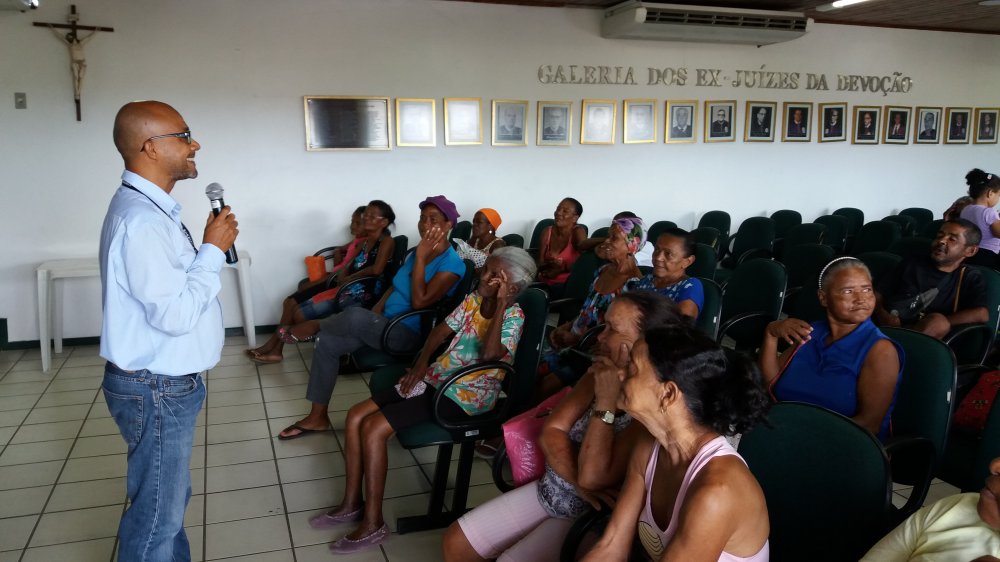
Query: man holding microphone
[162,324]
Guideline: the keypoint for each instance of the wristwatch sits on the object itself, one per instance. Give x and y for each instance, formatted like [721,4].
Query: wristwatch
[606,416]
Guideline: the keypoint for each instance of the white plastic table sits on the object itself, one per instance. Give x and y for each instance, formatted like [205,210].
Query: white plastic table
[50,301]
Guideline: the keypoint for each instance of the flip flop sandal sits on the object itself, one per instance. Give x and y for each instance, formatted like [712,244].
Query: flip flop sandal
[348,546]
[285,335]
[302,431]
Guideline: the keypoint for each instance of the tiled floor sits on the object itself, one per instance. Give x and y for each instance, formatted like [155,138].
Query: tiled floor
[62,465]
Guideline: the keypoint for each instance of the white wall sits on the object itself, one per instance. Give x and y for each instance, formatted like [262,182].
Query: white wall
[237,71]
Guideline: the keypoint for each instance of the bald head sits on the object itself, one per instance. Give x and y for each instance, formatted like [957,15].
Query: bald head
[139,120]
[155,143]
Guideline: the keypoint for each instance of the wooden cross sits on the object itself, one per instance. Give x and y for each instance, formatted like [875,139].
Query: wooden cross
[73,40]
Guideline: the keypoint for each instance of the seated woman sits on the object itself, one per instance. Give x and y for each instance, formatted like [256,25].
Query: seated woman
[672,255]
[984,189]
[486,327]
[625,237]
[644,257]
[484,238]
[843,363]
[688,494]
[302,311]
[963,527]
[585,440]
[560,245]
[429,273]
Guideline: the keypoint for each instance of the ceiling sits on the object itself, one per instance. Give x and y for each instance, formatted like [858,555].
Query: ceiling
[940,15]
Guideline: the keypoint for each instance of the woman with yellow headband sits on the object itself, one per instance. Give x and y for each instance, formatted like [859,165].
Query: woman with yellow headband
[484,237]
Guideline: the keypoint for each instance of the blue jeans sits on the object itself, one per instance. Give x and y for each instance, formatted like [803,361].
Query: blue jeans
[156,416]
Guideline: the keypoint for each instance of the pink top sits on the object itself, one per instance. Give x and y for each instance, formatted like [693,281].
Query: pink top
[655,540]
[352,251]
[568,256]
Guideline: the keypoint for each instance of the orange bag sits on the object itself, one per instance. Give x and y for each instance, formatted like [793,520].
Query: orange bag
[316,266]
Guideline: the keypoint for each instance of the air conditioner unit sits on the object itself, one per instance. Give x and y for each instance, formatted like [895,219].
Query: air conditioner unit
[18,5]
[674,22]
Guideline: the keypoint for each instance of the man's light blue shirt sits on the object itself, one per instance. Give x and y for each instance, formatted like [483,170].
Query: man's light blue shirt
[161,310]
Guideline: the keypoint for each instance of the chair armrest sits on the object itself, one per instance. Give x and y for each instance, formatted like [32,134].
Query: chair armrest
[914,451]
[960,330]
[589,338]
[744,318]
[498,463]
[395,322]
[566,308]
[322,251]
[368,284]
[495,416]
[754,253]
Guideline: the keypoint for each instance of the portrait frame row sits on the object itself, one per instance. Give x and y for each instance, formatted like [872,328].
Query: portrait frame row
[365,122]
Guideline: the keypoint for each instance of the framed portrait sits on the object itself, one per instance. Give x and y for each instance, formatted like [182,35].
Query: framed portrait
[897,125]
[796,127]
[509,118]
[720,116]
[346,123]
[597,122]
[927,125]
[640,121]
[759,126]
[681,120]
[866,120]
[830,124]
[463,121]
[957,125]
[415,122]
[986,125]
[555,121]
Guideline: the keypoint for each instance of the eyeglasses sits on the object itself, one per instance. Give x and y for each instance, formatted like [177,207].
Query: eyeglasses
[186,136]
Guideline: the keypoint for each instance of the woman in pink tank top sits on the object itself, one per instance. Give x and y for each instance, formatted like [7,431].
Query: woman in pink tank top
[559,244]
[688,495]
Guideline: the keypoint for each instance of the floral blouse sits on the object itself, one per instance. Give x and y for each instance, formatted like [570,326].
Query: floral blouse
[477,392]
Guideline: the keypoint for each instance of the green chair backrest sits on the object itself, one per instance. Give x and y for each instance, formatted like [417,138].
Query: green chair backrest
[907,225]
[855,219]
[835,234]
[931,229]
[876,236]
[804,261]
[535,305]
[911,247]
[756,286]
[880,264]
[919,214]
[711,309]
[536,234]
[601,232]
[705,261]
[826,481]
[462,230]
[719,220]
[398,255]
[808,233]
[785,220]
[514,240]
[581,275]
[805,305]
[657,228]
[971,348]
[755,233]
[709,236]
[927,389]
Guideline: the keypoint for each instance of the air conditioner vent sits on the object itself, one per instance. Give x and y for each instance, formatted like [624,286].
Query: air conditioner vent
[641,20]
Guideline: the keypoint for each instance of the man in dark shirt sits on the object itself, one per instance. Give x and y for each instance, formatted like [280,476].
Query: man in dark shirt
[960,296]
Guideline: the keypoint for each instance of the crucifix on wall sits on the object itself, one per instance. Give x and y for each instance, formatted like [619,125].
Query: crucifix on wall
[74,42]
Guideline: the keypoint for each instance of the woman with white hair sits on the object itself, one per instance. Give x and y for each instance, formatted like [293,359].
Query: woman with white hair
[485,327]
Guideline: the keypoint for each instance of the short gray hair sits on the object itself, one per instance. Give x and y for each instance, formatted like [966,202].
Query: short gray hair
[520,265]
[840,264]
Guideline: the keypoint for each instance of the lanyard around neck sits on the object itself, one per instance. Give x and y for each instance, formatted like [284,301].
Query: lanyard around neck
[183,228]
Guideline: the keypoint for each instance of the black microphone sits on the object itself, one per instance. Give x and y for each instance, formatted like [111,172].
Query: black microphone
[214,194]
